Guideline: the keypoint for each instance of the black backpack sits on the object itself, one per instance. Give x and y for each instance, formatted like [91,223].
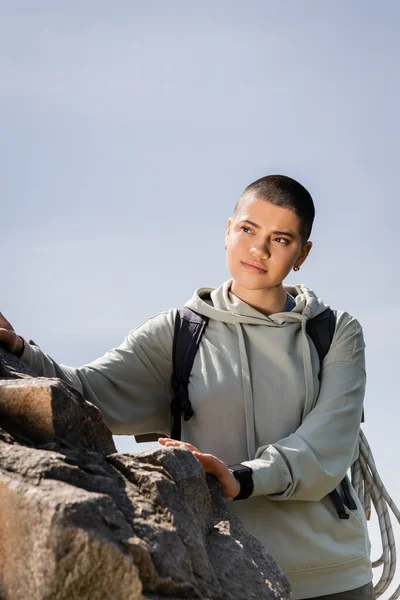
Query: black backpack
[189,329]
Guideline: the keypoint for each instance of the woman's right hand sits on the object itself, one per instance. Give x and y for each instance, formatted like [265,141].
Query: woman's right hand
[8,338]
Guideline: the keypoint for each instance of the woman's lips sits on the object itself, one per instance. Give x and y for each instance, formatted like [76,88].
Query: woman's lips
[254,267]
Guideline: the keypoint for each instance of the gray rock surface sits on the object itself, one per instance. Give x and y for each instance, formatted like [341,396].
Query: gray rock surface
[79,521]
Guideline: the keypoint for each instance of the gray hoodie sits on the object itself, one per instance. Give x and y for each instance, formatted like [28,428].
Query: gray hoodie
[259,398]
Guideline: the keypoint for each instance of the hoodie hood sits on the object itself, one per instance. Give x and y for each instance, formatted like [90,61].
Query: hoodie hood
[220,304]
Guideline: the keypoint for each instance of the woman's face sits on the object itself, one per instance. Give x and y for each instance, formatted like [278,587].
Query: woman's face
[263,244]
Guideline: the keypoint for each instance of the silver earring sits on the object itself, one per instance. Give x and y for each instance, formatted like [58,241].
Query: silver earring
[296,268]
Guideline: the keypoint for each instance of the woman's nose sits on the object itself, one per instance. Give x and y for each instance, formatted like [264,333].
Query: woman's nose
[261,252]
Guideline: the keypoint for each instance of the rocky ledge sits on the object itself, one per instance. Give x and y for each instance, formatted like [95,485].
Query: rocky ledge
[80,521]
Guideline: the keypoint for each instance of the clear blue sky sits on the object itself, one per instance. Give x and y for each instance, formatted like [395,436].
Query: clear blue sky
[128,131]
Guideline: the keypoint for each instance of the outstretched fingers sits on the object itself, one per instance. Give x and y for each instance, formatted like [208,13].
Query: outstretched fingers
[170,443]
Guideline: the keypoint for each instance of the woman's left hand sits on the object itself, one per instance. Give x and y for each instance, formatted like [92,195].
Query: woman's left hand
[211,464]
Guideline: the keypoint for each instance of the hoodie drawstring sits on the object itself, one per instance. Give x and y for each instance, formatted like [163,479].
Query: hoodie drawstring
[247,387]
[247,394]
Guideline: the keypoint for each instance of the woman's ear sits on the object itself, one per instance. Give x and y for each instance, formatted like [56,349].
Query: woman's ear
[304,252]
[228,229]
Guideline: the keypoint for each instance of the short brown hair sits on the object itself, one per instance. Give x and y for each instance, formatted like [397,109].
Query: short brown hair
[285,192]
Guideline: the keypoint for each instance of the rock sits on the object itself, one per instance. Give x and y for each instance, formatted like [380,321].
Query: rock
[79,521]
[13,368]
[42,409]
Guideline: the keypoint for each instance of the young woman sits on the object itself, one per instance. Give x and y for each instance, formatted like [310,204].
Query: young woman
[260,397]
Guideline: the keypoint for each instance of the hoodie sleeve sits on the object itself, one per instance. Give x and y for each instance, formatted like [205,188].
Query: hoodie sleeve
[129,384]
[311,462]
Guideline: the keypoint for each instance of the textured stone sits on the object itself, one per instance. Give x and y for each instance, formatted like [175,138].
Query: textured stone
[78,523]
[42,409]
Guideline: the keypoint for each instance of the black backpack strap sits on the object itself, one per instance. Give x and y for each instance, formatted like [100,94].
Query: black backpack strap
[189,329]
[321,330]
[338,503]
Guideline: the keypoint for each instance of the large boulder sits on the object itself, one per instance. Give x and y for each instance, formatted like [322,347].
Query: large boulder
[79,521]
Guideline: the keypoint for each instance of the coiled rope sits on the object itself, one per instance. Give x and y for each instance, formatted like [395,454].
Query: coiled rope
[369,488]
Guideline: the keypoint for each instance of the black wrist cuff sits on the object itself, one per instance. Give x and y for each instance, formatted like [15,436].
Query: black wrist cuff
[244,475]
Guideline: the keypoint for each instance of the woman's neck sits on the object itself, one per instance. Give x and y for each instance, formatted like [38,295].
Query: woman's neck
[268,301]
